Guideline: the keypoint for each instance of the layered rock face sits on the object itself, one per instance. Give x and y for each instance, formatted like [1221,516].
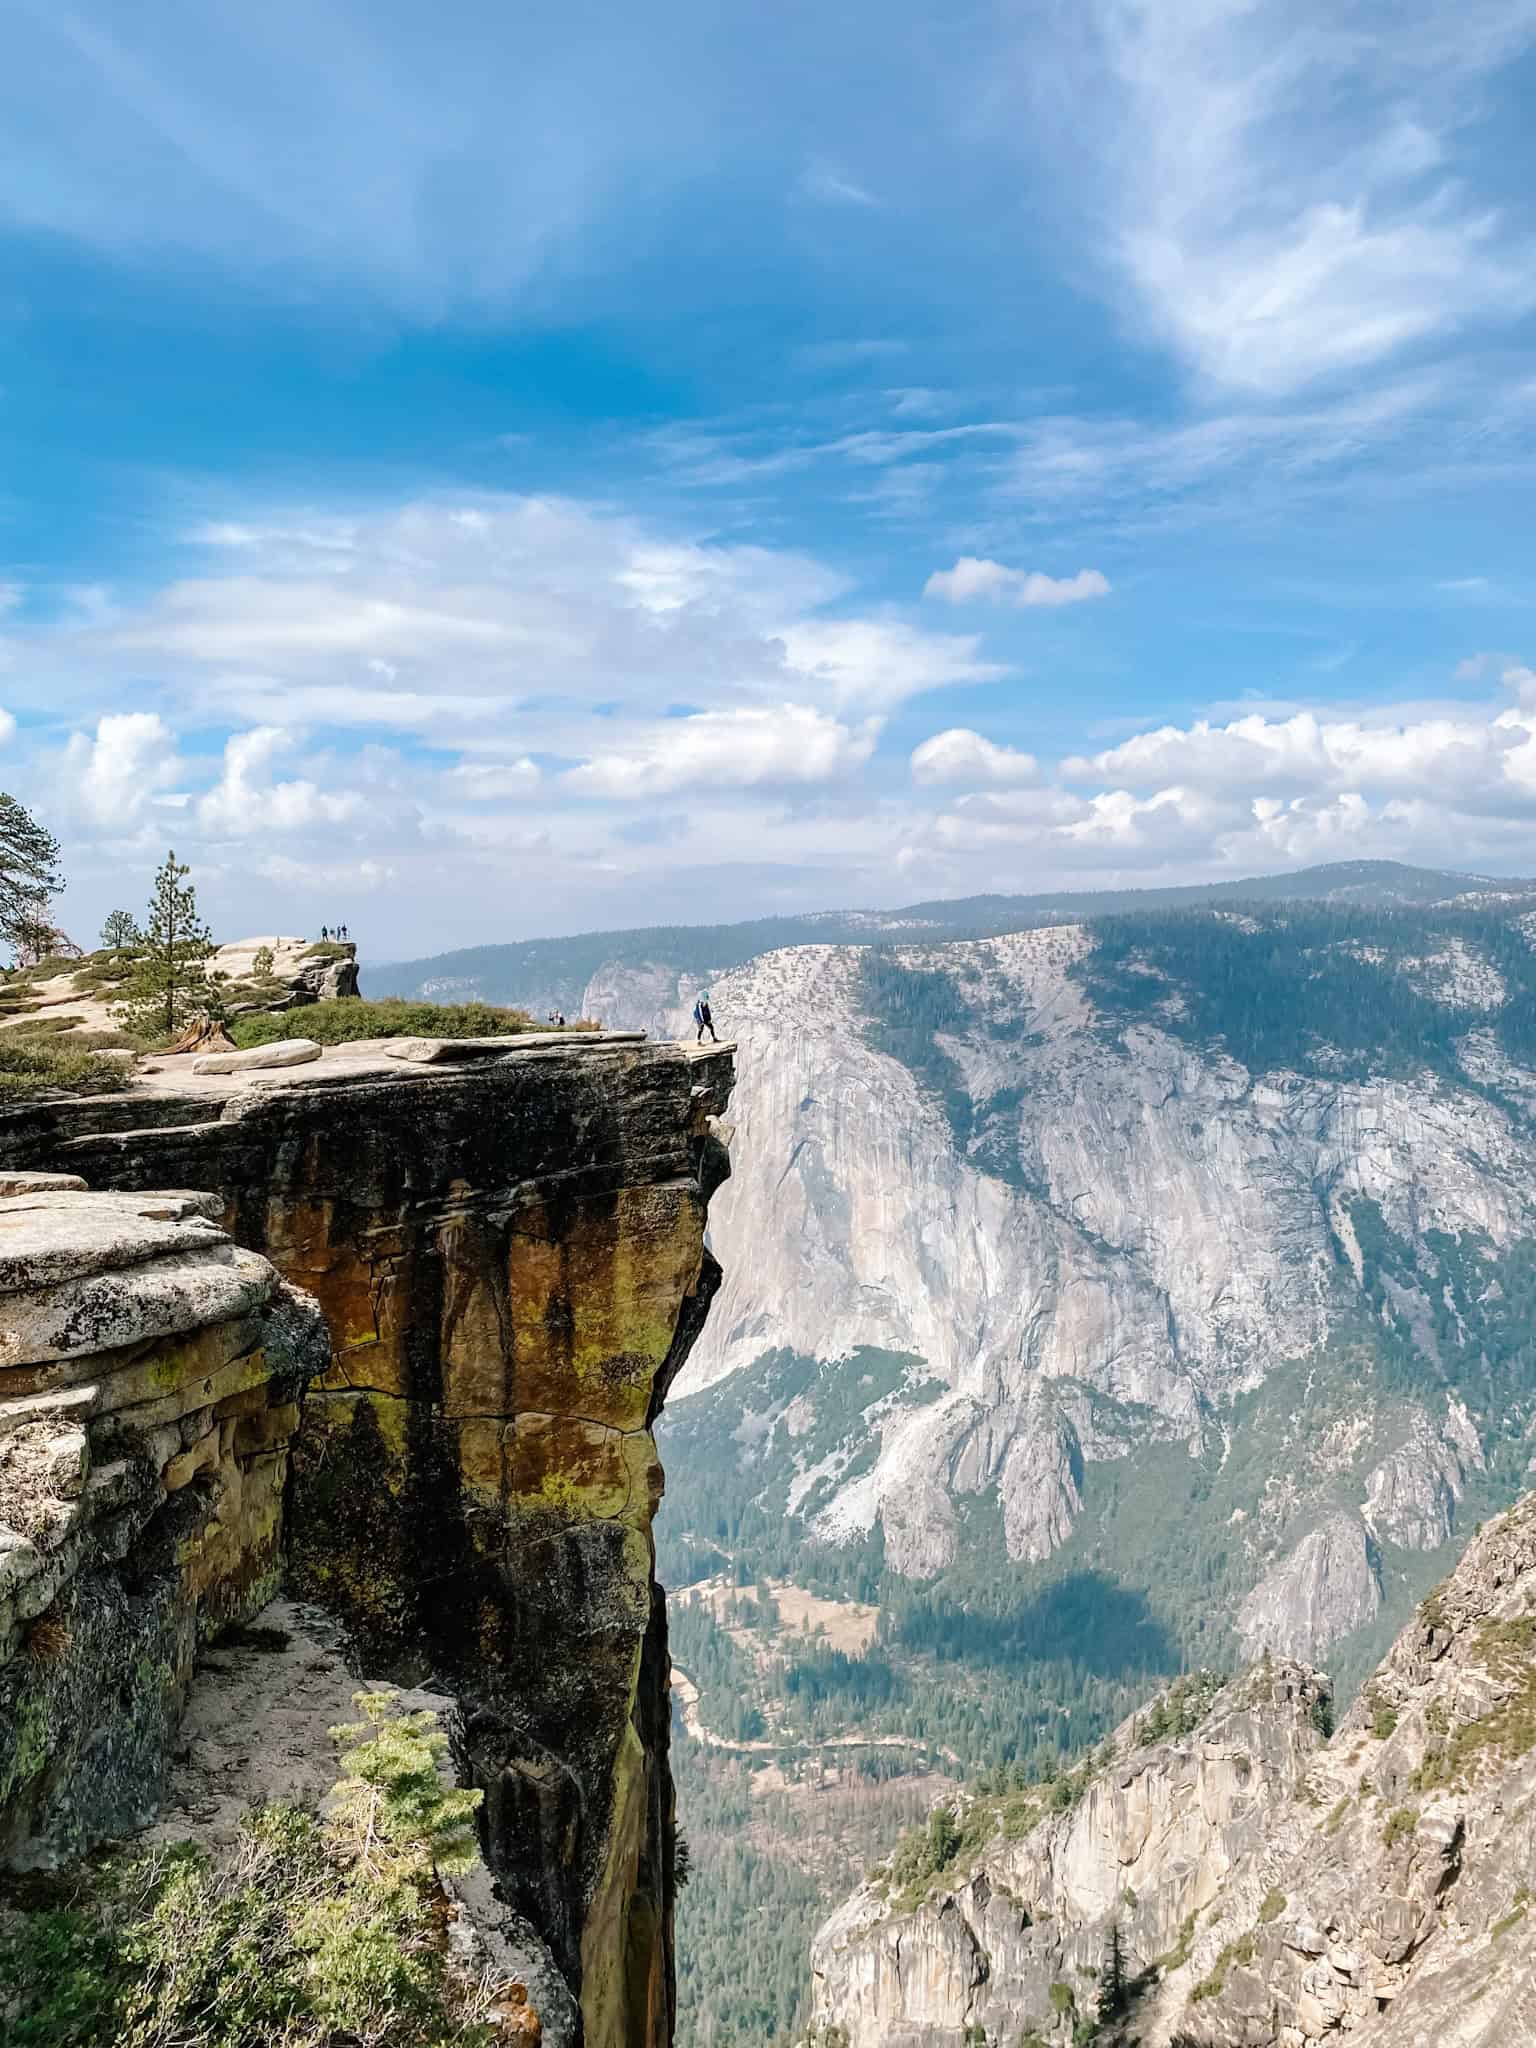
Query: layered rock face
[311,973]
[1148,1844]
[150,1374]
[510,1257]
[1270,1889]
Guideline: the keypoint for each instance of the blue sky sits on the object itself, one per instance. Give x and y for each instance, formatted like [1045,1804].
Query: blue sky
[479,471]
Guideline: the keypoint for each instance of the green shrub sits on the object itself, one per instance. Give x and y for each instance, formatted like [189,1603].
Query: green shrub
[31,1065]
[1180,1710]
[351,1017]
[1239,1952]
[1178,1955]
[311,1934]
[1402,1823]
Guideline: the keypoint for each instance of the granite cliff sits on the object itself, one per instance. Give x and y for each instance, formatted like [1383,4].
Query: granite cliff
[507,1252]
[1268,1887]
[1238,1203]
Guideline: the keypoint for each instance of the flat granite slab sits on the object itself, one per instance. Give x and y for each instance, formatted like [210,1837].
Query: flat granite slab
[393,1058]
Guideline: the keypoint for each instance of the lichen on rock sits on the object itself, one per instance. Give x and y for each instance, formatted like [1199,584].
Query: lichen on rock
[509,1254]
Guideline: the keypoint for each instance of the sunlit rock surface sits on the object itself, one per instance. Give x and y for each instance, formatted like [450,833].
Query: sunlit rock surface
[1091,1236]
[1271,1888]
[150,1376]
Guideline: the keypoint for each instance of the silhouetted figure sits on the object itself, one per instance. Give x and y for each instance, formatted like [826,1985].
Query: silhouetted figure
[324,934]
[702,1017]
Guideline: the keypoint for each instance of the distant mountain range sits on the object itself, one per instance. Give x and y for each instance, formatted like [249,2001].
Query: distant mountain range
[546,974]
[1114,1283]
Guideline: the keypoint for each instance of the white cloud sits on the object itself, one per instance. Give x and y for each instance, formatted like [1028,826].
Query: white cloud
[974,577]
[7,727]
[1478,760]
[245,803]
[965,759]
[877,662]
[792,745]
[1283,185]
[824,181]
[112,776]
[485,781]
[1091,832]
[500,632]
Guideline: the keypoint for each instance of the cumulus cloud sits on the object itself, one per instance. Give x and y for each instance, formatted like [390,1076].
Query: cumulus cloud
[1101,830]
[880,662]
[719,750]
[112,776]
[486,781]
[973,577]
[245,803]
[966,759]
[1477,760]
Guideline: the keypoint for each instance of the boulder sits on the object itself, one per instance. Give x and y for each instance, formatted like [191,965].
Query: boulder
[283,1052]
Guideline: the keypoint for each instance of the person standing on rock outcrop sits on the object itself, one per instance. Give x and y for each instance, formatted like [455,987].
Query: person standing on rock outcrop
[702,1017]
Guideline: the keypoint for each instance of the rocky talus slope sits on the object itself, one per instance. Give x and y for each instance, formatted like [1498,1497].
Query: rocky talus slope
[509,1255]
[1270,1888]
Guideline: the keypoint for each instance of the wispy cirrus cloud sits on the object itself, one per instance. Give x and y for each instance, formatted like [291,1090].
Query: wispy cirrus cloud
[828,183]
[1285,189]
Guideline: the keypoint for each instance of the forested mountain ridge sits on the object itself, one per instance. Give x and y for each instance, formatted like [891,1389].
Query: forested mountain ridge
[637,974]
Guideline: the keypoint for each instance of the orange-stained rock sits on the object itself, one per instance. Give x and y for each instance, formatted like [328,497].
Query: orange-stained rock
[510,1255]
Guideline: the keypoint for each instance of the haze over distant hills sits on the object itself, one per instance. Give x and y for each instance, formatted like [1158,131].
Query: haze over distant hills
[557,973]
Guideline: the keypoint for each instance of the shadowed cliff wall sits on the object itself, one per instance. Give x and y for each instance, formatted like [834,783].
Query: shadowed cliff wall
[510,1257]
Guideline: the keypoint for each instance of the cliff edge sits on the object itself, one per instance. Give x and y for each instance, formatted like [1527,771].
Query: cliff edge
[508,1253]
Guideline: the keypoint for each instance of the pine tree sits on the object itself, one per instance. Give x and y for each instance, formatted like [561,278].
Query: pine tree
[1114,1990]
[119,930]
[29,873]
[394,1805]
[168,984]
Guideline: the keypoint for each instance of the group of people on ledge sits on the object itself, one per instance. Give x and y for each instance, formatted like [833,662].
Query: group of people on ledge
[335,931]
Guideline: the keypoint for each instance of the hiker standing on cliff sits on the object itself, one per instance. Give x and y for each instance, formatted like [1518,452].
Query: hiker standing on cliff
[702,1017]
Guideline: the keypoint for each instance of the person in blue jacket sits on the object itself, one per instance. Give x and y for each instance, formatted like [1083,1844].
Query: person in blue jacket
[703,1019]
